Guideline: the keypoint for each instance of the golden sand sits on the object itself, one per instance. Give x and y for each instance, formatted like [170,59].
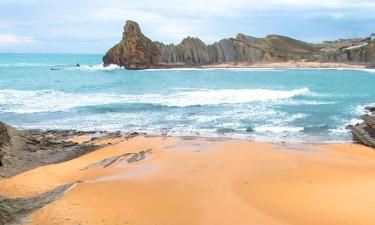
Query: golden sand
[208,182]
[291,64]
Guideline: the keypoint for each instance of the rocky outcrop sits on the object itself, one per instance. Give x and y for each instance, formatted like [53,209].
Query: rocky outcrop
[24,150]
[15,210]
[365,132]
[135,51]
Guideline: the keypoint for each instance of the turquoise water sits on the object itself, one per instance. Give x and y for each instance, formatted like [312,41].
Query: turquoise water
[259,104]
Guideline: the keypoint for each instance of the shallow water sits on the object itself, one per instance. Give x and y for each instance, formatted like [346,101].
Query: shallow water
[312,105]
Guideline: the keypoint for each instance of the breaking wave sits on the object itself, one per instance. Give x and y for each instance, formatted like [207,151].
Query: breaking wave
[30,101]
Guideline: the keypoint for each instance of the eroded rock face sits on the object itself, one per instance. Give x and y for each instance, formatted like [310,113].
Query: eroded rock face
[365,55]
[135,51]
[365,132]
[24,150]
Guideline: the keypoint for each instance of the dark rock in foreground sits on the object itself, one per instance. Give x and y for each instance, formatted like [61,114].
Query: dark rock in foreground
[365,132]
[14,210]
[135,51]
[24,150]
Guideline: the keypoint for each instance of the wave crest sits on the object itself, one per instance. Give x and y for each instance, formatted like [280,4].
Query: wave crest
[52,101]
[98,67]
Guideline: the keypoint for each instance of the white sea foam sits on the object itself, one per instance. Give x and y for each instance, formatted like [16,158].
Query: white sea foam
[368,70]
[26,64]
[277,129]
[227,96]
[51,101]
[97,67]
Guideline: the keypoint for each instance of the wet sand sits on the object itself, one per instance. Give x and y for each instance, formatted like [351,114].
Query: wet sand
[208,181]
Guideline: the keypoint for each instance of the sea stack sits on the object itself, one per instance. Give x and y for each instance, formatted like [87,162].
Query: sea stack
[135,51]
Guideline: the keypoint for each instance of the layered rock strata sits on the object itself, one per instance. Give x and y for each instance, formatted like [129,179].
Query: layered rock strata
[136,51]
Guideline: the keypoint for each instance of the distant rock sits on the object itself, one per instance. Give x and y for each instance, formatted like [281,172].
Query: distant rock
[135,51]
[370,109]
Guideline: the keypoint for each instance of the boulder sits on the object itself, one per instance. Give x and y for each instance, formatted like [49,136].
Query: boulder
[365,132]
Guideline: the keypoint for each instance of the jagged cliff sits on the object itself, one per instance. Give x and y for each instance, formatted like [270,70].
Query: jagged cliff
[135,51]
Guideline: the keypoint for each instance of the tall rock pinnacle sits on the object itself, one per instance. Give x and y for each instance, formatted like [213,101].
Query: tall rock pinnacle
[135,51]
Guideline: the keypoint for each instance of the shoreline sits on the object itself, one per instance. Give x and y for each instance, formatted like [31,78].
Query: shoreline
[220,136]
[292,65]
[167,180]
[268,65]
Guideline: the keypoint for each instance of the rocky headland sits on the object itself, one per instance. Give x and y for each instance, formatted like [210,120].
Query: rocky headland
[136,51]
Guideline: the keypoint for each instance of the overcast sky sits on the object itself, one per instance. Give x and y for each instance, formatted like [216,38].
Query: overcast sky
[92,26]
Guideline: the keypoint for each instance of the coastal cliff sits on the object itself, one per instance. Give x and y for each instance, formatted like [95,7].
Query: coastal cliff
[361,54]
[136,51]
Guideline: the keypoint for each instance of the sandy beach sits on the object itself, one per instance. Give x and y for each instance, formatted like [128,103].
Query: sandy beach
[206,181]
[290,64]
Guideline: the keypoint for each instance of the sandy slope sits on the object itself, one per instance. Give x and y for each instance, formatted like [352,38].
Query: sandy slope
[209,181]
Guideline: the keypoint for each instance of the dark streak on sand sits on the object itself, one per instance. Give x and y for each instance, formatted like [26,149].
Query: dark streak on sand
[129,157]
[15,210]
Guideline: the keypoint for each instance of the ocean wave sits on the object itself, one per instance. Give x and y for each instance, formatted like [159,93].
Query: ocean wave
[98,67]
[227,96]
[362,109]
[25,64]
[30,101]
[317,128]
[278,129]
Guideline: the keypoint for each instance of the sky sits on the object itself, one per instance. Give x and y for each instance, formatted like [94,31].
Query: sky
[93,26]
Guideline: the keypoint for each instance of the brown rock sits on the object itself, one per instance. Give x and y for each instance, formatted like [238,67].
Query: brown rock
[24,150]
[135,51]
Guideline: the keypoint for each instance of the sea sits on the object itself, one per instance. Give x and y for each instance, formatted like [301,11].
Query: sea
[48,91]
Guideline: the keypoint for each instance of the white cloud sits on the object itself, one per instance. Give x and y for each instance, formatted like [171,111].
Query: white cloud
[81,22]
[12,38]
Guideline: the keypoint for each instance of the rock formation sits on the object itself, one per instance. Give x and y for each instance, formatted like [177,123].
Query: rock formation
[135,51]
[364,54]
[15,210]
[365,132]
[21,150]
